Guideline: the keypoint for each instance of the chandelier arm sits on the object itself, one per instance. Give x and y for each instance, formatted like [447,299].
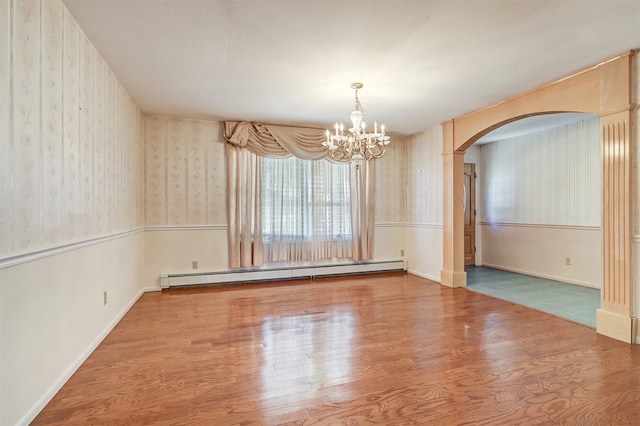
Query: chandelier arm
[338,157]
[377,154]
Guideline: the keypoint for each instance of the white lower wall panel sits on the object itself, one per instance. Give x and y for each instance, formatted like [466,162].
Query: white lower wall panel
[388,241]
[424,250]
[174,249]
[52,316]
[541,250]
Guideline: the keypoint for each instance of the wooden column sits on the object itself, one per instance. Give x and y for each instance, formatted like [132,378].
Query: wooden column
[452,274]
[614,318]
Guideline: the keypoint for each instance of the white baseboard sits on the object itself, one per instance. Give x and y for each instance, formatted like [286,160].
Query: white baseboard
[427,276]
[535,274]
[57,385]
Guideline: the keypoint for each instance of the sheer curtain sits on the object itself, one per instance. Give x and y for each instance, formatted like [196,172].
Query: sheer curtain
[247,140]
[244,223]
[362,178]
[306,209]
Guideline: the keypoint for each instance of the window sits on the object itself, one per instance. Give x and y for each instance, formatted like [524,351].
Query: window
[305,209]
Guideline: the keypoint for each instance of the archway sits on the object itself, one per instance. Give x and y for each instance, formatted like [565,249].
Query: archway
[605,90]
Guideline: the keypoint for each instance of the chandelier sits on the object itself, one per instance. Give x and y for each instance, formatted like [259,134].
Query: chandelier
[357,145]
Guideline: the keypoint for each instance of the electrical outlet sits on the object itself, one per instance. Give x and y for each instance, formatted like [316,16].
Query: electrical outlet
[401,253]
[194,264]
[104,297]
[567,261]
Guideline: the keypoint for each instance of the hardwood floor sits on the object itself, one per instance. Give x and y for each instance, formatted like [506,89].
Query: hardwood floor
[388,349]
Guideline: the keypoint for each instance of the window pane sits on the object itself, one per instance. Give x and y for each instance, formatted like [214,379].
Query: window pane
[305,201]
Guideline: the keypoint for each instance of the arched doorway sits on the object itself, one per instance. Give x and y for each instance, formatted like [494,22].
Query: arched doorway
[538,227]
[604,90]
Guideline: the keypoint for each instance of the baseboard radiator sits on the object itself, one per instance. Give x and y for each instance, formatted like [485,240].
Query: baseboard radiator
[287,273]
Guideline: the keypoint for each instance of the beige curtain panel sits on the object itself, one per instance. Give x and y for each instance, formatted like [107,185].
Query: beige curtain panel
[362,179]
[248,140]
[244,229]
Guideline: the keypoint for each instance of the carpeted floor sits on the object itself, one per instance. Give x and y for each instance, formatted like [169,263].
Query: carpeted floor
[573,302]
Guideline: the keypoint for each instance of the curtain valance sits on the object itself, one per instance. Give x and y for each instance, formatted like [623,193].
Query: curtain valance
[269,140]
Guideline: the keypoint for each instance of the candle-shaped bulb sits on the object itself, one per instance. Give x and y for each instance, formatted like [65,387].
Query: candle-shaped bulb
[382,129]
[336,129]
[375,127]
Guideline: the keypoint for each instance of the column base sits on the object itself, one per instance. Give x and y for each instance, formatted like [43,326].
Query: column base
[453,279]
[616,326]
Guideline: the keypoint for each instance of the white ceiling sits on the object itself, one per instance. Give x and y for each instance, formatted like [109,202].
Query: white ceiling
[292,61]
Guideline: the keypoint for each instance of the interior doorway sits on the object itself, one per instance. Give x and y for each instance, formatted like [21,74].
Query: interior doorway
[469,214]
[539,200]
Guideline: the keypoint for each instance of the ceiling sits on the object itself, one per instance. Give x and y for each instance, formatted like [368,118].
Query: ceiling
[292,61]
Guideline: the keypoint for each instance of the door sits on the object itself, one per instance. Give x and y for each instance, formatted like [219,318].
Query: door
[469,214]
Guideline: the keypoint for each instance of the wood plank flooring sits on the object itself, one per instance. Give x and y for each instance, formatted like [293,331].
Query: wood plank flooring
[391,349]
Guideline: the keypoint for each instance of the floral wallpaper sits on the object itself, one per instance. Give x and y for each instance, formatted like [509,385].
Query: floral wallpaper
[71,163]
[185,172]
